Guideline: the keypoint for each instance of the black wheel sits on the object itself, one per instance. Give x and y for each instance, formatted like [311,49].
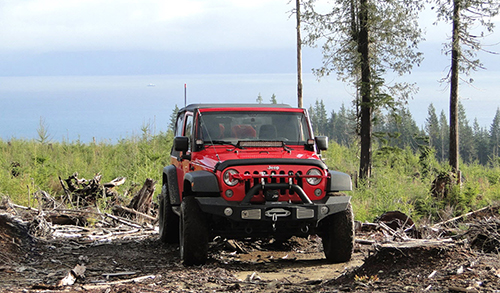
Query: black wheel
[168,220]
[193,233]
[338,237]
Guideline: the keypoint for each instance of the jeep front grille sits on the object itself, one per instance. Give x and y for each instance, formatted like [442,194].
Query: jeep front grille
[266,177]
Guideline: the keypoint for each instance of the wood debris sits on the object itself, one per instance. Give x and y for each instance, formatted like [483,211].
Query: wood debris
[77,273]
[118,251]
[83,192]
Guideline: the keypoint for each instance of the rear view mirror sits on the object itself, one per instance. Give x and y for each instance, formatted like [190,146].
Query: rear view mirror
[322,142]
[181,143]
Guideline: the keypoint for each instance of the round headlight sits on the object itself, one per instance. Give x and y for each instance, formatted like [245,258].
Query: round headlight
[228,178]
[314,180]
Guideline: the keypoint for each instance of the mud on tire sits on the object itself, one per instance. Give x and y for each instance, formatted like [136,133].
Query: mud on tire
[193,233]
[338,236]
[168,220]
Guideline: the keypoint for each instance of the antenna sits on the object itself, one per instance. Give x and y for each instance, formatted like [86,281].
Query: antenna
[185,94]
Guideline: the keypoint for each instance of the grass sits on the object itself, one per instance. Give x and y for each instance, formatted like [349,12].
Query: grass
[28,166]
[401,180]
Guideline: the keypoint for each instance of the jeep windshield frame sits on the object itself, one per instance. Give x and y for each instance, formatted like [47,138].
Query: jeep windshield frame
[230,126]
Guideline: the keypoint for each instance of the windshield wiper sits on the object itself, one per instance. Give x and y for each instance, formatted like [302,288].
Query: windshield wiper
[220,142]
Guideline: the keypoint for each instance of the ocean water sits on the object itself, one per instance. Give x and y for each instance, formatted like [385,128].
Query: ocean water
[109,108]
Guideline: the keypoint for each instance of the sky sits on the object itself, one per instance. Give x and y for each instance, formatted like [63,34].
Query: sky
[51,37]
[153,37]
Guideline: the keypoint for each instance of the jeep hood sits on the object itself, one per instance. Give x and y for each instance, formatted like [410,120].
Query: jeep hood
[221,154]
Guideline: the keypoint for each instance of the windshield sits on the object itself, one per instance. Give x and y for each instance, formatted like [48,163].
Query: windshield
[231,127]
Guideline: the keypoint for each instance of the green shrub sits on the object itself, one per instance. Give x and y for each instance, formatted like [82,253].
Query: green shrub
[401,180]
[27,166]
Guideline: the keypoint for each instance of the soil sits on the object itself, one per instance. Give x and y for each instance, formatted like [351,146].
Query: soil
[143,263]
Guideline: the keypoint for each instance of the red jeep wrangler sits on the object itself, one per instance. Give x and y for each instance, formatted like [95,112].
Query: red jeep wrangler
[251,171]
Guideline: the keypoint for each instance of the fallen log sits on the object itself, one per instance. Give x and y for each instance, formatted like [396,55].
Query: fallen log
[121,209]
[455,219]
[123,221]
[416,243]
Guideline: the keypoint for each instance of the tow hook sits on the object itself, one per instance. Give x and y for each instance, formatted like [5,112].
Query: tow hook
[276,213]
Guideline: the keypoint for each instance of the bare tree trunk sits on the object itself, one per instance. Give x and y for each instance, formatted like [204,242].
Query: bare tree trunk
[455,54]
[366,99]
[299,57]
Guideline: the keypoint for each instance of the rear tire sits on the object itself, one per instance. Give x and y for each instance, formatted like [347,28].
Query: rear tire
[193,233]
[338,237]
[168,220]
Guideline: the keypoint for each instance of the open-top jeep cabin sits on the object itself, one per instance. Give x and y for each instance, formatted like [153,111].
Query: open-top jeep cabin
[251,171]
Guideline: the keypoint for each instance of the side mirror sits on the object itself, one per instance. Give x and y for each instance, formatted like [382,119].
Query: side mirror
[181,143]
[322,142]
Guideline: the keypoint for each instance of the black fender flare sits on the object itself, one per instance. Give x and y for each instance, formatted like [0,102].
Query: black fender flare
[170,181]
[202,182]
[339,182]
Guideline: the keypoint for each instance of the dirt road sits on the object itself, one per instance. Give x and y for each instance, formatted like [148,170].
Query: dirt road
[148,264]
[115,259]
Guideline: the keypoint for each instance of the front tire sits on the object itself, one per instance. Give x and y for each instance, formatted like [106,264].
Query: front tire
[193,233]
[338,238]
[168,220]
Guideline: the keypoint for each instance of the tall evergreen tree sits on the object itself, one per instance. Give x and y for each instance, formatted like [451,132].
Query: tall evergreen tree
[481,142]
[362,39]
[319,118]
[495,135]
[465,16]
[467,148]
[173,118]
[320,110]
[401,128]
[343,127]
[432,127]
[332,125]
[442,151]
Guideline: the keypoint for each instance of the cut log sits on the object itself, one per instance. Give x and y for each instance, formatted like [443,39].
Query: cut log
[141,202]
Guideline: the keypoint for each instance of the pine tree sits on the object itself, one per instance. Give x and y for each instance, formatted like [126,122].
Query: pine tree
[495,135]
[442,150]
[173,118]
[481,142]
[361,40]
[432,127]
[465,16]
[467,148]
[259,99]
[343,129]
[273,99]
[322,117]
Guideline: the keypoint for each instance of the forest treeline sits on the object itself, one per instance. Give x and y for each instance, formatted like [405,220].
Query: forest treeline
[396,129]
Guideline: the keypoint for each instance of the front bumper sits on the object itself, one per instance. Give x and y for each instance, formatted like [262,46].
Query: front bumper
[273,211]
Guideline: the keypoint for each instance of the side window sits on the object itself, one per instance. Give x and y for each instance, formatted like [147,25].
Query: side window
[188,128]
[178,126]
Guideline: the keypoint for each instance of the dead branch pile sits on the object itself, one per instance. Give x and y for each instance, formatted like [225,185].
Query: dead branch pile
[484,235]
[396,230]
[52,219]
[80,191]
